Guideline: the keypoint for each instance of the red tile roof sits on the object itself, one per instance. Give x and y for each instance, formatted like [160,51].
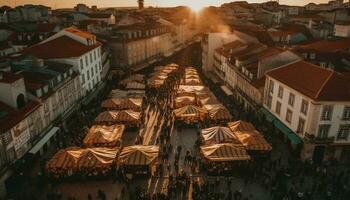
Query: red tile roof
[313,81]
[79,32]
[326,45]
[62,47]
[8,77]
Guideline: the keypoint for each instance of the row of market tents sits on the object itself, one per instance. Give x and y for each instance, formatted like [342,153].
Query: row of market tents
[235,142]
[101,160]
[195,102]
[160,74]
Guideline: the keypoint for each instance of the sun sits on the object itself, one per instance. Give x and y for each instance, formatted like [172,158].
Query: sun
[196,6]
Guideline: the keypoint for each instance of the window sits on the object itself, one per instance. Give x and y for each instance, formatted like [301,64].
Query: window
[289,115]
[92,71]
[280,92]
[100,66]
[83,78]
[327,112]
[95,55]
[81,64]
[346,113]
[278,107]
[312,56]
[344,131]
[291,99]
[88,75]
[90,57]
[301,125]
[269,101]
[323,130]
[96,68]
[86,61]
[271,85]
[304,106]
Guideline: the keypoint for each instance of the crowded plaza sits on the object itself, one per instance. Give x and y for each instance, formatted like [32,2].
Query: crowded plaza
[166,135]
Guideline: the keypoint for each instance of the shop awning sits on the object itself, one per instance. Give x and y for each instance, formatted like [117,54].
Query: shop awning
[227,91]
[287,131]
[294,138]
[280,126]
[43,140]
[267,114]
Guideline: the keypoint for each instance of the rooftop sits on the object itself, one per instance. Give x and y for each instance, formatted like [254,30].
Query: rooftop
[57,48]
[315,82]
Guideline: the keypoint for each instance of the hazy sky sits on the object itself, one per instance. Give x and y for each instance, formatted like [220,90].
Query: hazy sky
[115,3]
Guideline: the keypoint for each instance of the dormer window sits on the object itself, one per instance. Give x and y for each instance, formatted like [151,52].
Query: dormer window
[39,92]
[70,71]
[46,89]
[312,56]
[65,75]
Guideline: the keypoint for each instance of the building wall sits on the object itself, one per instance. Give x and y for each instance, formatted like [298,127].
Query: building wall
[214,41]
[83,66]
[342,30]
[312,117]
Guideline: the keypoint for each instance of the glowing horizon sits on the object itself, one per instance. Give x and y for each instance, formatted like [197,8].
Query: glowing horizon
[194,4]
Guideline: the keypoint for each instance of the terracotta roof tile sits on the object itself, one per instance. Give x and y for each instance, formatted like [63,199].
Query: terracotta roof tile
[326,45]
[62,47]
[79,32]
[313,81]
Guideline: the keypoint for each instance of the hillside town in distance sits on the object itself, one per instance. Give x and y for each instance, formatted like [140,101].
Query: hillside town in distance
[242,101]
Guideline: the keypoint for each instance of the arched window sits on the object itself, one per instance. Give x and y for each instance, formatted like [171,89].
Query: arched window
[20,101]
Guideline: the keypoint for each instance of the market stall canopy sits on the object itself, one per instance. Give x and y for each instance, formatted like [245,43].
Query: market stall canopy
[253,141]
[127,116]
[138,155]
[135,86]
[224,152]
[166,67]
[184,101]
[106,116]
[192,89]
[97,157]
[217,135]
[191,76]
[75,158]
[241,126]
[122,103]
[192,81]
[64,159]
[189,110]
[208,101]
[220,113]
[118,116]
[100,135]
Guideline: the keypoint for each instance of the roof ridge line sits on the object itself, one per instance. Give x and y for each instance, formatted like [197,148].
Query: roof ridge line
[324,84]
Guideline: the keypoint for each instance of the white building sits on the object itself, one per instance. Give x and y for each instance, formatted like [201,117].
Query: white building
[134,47]
[310,104]
[77,48]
